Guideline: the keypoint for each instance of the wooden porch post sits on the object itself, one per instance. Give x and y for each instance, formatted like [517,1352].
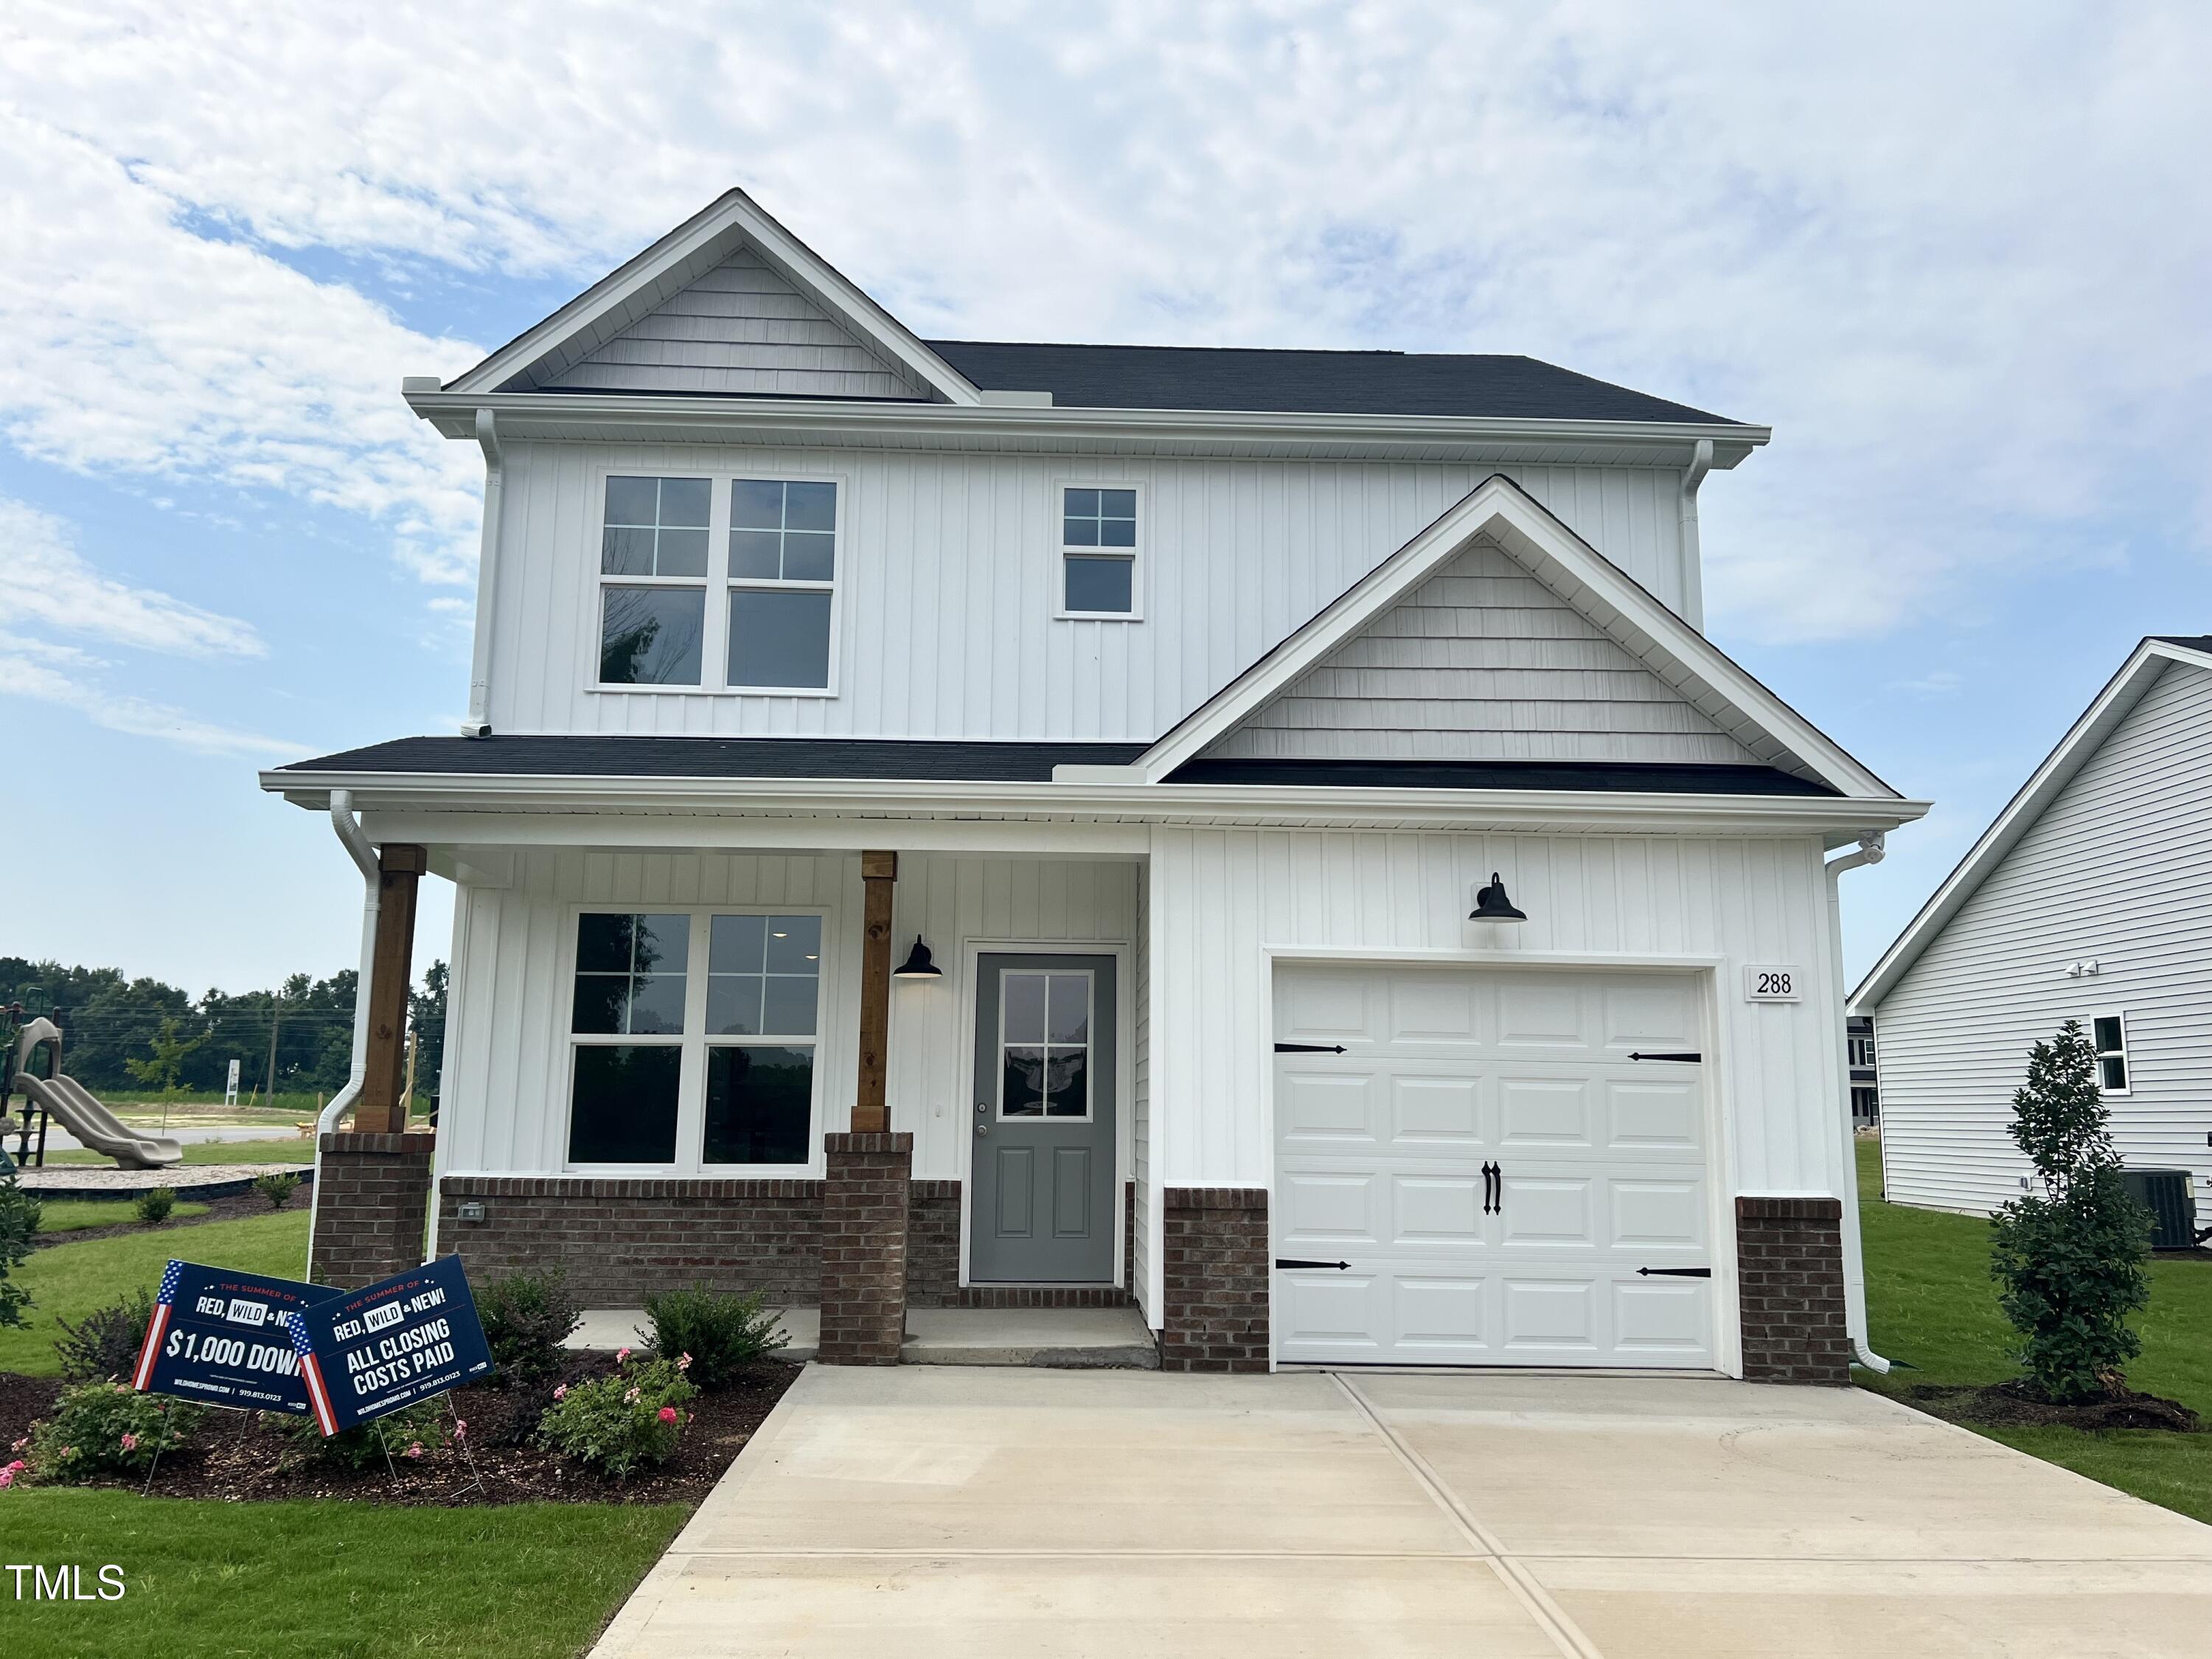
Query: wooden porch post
[381,1110]
[878,875]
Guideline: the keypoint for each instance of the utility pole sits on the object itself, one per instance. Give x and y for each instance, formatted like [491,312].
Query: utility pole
[276,1013]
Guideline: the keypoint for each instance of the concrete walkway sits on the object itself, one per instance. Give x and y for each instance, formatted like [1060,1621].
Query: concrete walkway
[931,1511]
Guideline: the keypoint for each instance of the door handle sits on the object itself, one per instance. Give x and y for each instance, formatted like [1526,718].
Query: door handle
[1674,1272]
[1687,1058]
[1300,1261]
[982,1128]
[1493,1189]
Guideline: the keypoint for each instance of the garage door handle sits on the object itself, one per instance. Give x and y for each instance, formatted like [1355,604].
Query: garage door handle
[1691,1059]
[1674,1273]
[1300,1261]
[1493,1189]
[1309,1048]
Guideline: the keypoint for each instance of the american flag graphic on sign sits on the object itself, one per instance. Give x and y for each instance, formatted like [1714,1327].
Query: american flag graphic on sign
[311,1373]
[158,1326]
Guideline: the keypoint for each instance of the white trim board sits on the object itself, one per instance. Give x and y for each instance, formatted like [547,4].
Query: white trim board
[1588,582]
[2113,704]
[686,253]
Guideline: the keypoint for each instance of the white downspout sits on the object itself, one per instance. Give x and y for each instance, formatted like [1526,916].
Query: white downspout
[1693,564]
[1871,851]
[364,855]
[478,724]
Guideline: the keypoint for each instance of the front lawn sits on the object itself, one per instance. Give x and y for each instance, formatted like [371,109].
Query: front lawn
[68,1215]
[68,1281]
[1931,1301]
[334,1579]
[293,1151]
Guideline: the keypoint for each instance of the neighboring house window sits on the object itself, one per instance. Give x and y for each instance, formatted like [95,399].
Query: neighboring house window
[2110,1033]
[1044,1022]
[1099,552]
[1866,1105]
[1862,1051]
[669,1071]
[653,580]
[783,571]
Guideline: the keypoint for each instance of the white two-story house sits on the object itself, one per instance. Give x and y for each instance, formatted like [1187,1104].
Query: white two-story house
[1260,835]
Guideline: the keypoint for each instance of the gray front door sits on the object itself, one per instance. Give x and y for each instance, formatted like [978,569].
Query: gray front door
[1041,1209]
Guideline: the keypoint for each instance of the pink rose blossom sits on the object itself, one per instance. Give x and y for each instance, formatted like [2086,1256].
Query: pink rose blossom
[683,1362]
[460,1429]
[7,1477]
[631,1398]
[130,1443]
[561,1393]
[621,1357]
[668,1413]
[414,1451]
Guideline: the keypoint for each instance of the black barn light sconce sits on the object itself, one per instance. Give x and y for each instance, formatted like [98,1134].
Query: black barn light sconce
[917,964]
[1491,904]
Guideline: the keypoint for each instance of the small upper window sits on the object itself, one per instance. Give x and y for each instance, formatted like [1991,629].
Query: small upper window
[653,580]
[783,572]
[2110,1033]
[1099,552]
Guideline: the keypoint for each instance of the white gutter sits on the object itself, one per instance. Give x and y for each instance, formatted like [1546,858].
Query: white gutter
[1871,851]
[1693,569]
[478,724]
[364,856]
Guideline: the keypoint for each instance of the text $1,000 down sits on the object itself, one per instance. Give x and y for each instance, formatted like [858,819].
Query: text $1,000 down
[263,1356]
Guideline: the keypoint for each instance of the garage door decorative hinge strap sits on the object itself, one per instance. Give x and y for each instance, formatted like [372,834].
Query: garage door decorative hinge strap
[1691,1059]
[1309,1048]
[1300,1261]
[1674,1273]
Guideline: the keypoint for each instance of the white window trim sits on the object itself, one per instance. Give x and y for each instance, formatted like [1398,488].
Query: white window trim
[714,633]
[2126,1059]
[692,1080]
[1136,561]
[1091,1044]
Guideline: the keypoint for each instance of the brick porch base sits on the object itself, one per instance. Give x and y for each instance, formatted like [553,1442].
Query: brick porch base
[371,1203]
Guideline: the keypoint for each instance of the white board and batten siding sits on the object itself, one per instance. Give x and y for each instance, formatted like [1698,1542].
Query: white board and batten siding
[2117,870]
[1482,662]
[506,1072]
[949,568]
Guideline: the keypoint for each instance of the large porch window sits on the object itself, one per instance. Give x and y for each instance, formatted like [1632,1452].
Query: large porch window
[692,1038]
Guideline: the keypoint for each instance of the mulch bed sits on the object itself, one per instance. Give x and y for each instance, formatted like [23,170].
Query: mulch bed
[234,1208]
[241,1456]
[2010,1405]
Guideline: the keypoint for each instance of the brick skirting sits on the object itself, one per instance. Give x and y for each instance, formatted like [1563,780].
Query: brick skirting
[865,1203]
[1214,1249]
[1790,1274]
[371,1202]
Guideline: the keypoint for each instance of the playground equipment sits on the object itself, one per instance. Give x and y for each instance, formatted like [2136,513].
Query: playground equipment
[64,1100]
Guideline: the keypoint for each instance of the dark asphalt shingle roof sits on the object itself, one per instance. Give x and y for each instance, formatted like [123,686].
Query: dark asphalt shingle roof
[2191,641]
[585,757]
[1256,381]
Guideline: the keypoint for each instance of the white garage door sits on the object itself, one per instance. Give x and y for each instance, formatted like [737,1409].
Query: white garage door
[1504,1184]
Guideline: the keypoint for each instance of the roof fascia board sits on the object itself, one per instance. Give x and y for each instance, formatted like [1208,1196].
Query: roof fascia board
[730,217]
[1596,586]
[2083,738]
[591,412]
[1152,803]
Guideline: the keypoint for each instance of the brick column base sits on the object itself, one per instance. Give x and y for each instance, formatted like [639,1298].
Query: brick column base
[1213,1252]
[1789,1275]
[864,1202]
[371,1201]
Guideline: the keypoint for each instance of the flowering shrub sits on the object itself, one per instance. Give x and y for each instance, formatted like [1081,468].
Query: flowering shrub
[404,1437]
[106,1428]
[617,1423]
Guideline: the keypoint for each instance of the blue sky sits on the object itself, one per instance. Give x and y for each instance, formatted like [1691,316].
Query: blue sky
[1960,258]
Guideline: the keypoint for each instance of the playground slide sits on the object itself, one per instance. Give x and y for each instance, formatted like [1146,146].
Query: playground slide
[67,1103]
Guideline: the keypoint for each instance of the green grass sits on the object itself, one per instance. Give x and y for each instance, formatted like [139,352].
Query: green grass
[68,1281]
[335,1579]
[66,1215]
[291,1150]
[1930,1301]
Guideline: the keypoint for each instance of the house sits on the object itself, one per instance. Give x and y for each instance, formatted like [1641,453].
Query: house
[1864,1076]
[2085,900]
[1341,902]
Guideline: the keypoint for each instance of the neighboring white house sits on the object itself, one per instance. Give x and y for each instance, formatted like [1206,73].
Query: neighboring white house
[2089,898]
[1176,704]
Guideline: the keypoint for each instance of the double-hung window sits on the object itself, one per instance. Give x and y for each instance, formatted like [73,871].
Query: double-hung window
[692,1038]
[719,583]
[2110,1033]
[1099,552]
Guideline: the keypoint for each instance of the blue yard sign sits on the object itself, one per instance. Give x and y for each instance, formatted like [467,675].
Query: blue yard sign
[223,1338]
[363,1353]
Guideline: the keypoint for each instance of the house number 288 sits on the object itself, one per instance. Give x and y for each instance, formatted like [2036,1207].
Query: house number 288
[1771,982]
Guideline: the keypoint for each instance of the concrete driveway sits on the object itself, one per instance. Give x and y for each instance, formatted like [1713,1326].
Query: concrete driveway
[921,1511]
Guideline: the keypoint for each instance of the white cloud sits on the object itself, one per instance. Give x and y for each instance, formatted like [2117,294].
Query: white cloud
[1963,279]
[50,680]
[47,581]
[1941,682]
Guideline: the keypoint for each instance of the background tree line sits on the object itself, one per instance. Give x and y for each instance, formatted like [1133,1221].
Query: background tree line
[120,1034]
